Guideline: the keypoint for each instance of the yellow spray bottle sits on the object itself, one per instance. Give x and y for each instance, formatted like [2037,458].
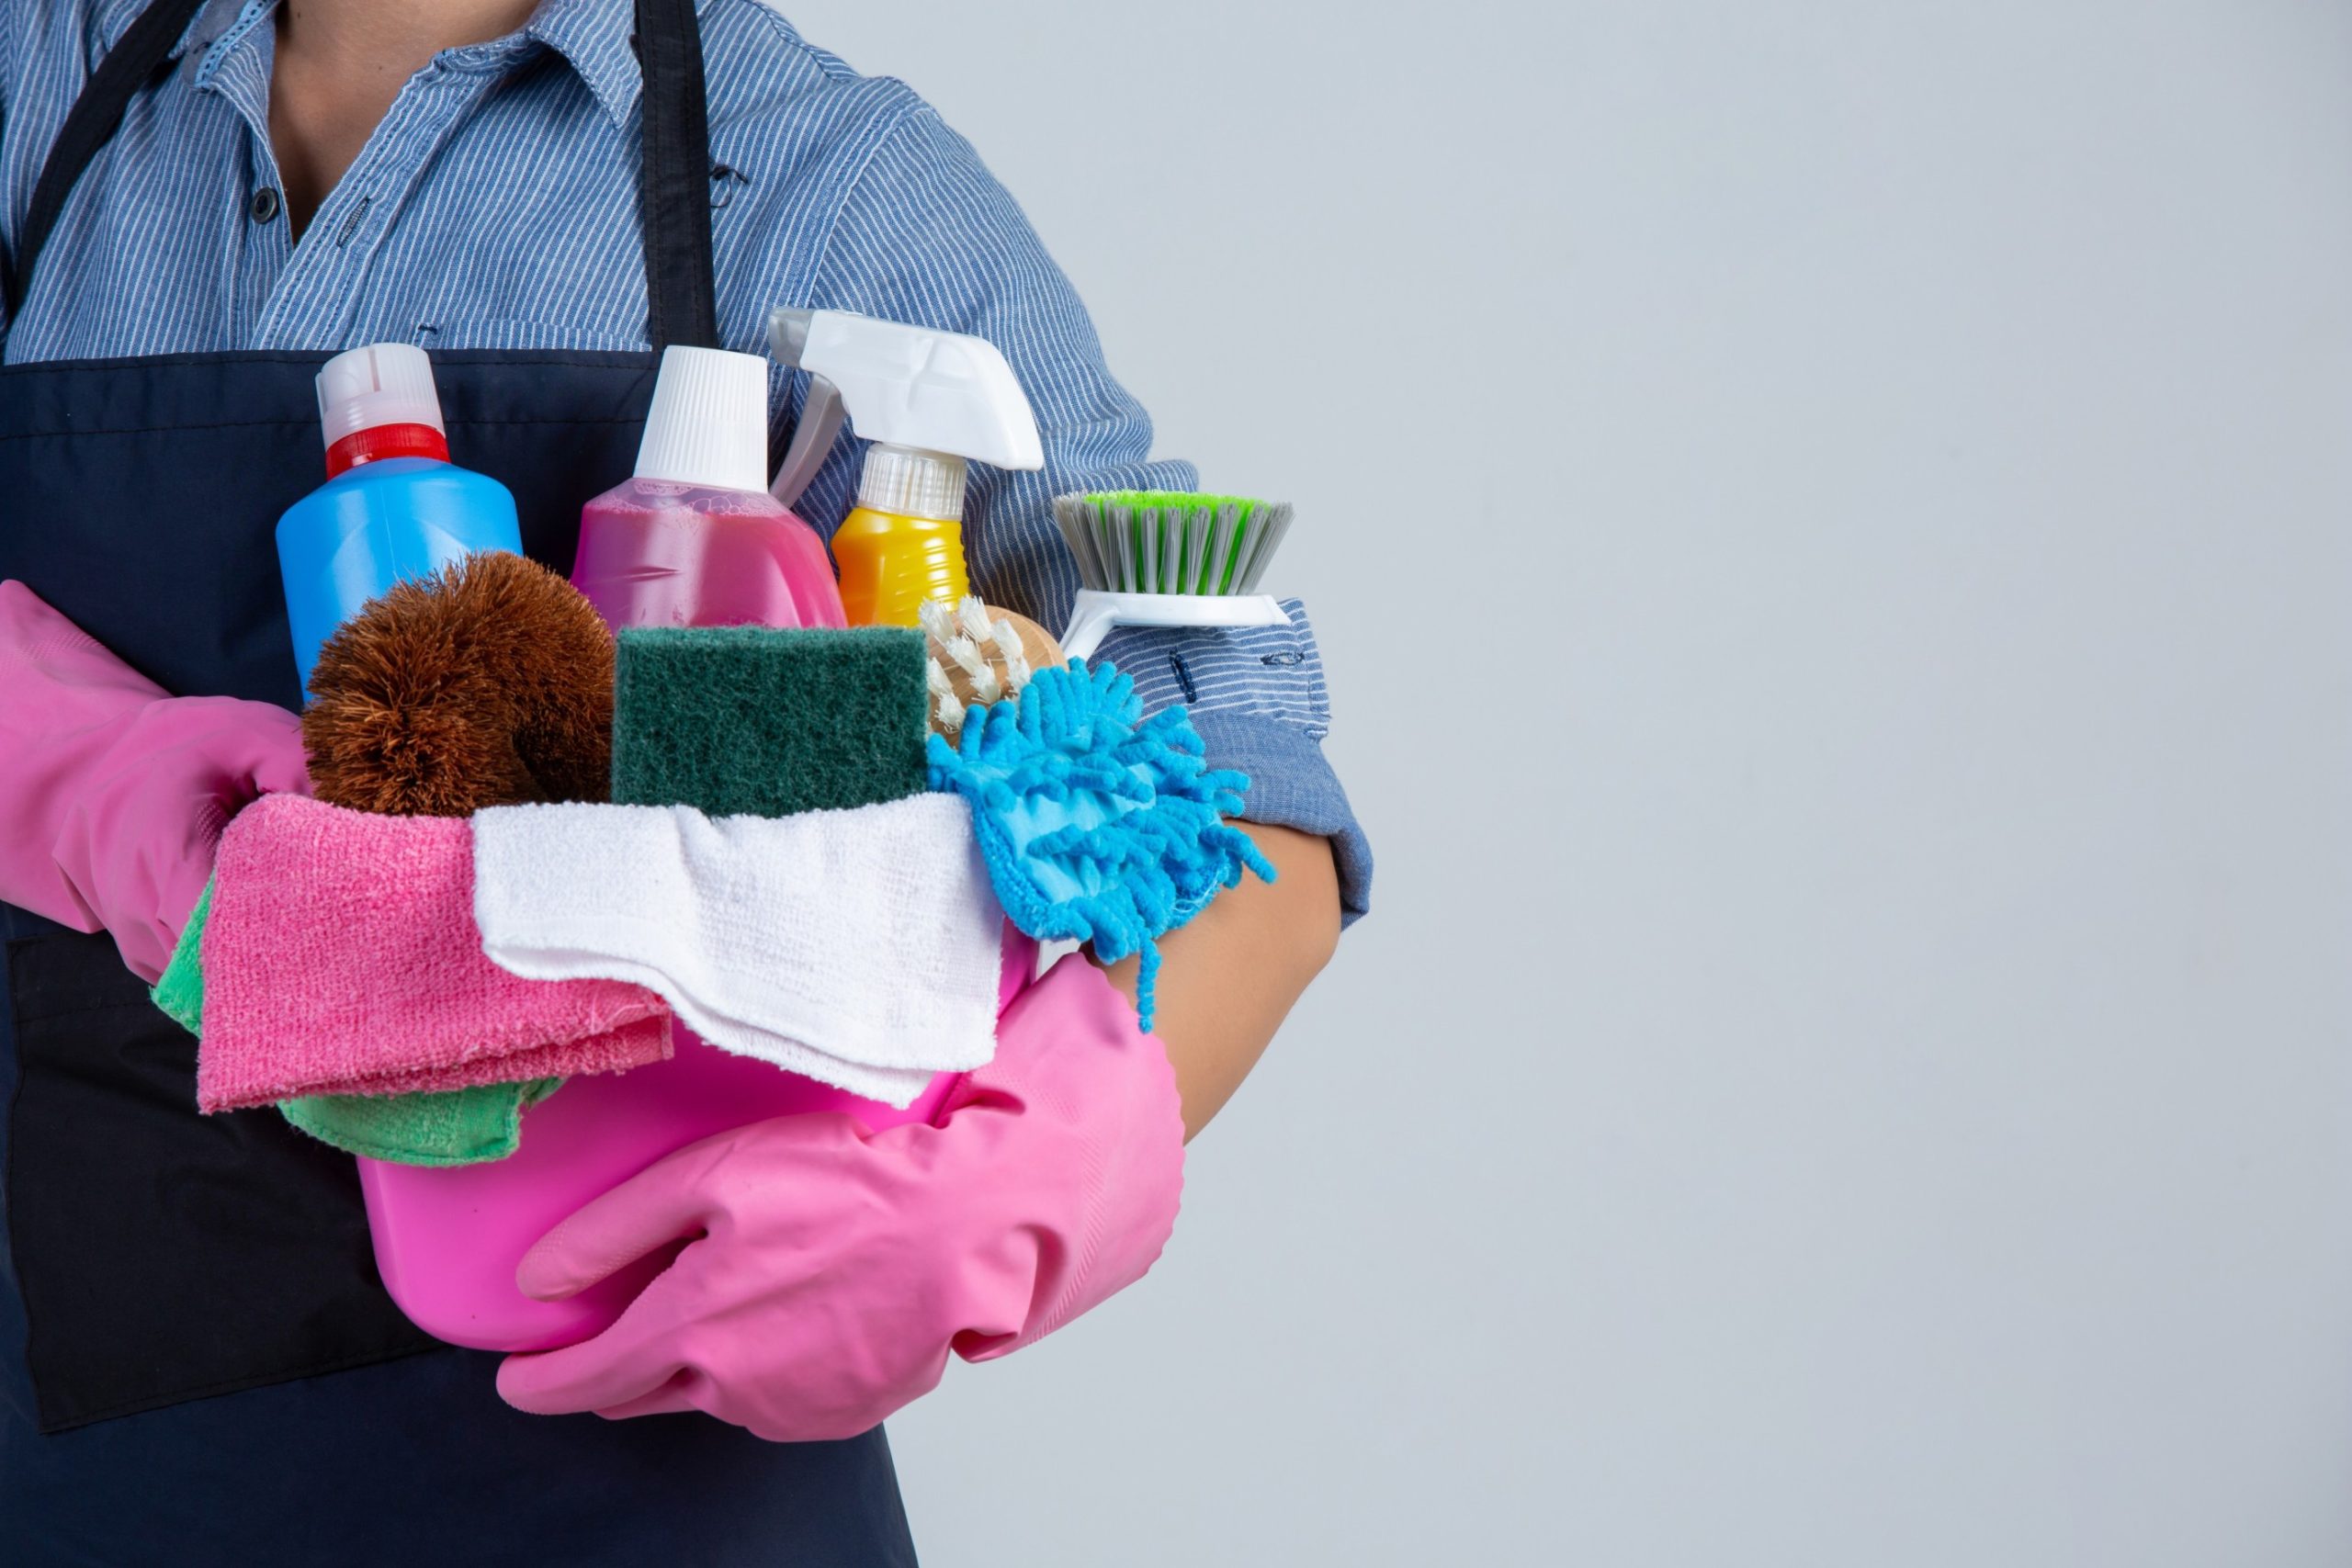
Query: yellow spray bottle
[928,401]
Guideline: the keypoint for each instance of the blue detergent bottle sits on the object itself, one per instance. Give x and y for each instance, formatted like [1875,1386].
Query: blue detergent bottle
[394,508]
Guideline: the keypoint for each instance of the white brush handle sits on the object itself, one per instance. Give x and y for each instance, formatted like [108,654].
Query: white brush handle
[1096,612]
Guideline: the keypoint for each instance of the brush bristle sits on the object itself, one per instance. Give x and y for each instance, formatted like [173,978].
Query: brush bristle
[489,683]
[1145,541]
[1075,515]
[977,654]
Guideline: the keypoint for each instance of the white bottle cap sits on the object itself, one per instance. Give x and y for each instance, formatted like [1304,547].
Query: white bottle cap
[912,483]
[384,383]
[709,424]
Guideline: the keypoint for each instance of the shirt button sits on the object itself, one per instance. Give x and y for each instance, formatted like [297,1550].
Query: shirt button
[265,205]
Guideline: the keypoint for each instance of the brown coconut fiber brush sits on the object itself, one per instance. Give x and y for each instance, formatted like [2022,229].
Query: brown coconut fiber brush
[489,683]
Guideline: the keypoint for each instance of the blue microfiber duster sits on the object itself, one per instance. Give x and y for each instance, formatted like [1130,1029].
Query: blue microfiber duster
[1097,824]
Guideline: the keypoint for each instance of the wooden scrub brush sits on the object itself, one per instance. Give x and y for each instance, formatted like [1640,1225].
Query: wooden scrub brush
[980,654]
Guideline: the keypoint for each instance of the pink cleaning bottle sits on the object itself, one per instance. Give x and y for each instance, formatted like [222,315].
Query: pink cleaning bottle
[693,538]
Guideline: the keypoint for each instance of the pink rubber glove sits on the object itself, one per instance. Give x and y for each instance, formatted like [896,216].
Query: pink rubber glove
[833,1269]
[115,792]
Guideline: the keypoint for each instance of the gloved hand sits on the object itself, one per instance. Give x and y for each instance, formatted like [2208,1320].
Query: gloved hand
[116,791]
[832,1269]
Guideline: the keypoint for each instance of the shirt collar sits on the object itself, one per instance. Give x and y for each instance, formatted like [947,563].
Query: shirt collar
[203,29]
[596,37]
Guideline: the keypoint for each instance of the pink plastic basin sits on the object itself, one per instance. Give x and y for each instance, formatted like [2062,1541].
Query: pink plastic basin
[447,1241]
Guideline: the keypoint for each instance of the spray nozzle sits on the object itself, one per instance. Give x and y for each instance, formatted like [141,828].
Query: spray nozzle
[908,389]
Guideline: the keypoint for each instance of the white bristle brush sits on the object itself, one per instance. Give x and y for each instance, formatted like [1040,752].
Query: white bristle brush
[978,655]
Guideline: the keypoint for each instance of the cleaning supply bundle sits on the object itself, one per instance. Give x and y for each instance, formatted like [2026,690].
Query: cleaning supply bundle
[785,879]
[793,857]
[341,956]
[1169,559]
[1098,825]
[733,915]
[746,728]
[394,508]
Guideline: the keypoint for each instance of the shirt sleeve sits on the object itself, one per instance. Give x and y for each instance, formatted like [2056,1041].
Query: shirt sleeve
[928,235]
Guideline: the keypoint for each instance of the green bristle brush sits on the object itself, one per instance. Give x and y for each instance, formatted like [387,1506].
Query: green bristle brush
[1169,559]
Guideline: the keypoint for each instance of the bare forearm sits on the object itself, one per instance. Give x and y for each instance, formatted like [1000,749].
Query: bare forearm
[1229,978]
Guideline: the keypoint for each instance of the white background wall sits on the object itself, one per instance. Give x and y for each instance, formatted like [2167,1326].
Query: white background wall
[1829,523]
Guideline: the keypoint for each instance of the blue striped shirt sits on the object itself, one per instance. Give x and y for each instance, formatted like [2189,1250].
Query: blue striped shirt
[495,207]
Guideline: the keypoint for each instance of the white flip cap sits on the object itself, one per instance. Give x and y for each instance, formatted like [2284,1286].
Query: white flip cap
[384,383]
[709,425]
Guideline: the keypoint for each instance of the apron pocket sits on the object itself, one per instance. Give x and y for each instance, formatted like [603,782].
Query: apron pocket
[164,1256]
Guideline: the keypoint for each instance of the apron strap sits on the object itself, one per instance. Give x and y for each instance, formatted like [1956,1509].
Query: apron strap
[673,176]
[92,122]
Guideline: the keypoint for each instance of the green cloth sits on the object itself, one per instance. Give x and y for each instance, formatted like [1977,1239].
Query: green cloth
[179,990]
[768,722]
[463,1126]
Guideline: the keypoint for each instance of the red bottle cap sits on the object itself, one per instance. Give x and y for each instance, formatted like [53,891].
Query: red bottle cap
[386,441]
[379,401]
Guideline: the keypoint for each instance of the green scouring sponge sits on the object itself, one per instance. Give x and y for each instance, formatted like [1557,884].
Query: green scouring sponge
[763,721]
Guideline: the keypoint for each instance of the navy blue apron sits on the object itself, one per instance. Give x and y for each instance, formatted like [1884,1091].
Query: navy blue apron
[197,1362]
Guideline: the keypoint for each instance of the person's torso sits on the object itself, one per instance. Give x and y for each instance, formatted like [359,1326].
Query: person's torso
[197,1363]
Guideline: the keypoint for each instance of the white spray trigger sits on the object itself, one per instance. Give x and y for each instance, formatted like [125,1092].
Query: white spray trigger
[812,441]
[902,385]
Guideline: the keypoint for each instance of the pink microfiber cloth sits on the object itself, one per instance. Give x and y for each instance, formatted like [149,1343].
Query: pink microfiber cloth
[342,958]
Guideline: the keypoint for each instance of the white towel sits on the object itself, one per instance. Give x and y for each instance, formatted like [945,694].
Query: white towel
[858,947]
